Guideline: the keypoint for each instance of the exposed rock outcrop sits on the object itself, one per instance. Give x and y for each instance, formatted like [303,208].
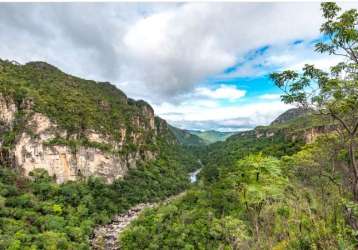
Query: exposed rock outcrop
[8,110]
[303,129]
[106,237]
[31,149]
[31,152]
[307,135]
[73,127]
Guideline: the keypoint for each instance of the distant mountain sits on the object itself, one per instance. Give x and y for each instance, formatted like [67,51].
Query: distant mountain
[211,136]
[185,137]
[289,115]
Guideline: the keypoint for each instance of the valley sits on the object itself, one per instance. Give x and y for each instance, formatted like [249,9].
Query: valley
[84,166]
[106,236]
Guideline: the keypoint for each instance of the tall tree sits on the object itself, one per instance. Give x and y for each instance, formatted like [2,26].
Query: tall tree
[333,93]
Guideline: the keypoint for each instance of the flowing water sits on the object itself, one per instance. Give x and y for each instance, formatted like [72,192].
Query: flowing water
[106,236]
[194,176]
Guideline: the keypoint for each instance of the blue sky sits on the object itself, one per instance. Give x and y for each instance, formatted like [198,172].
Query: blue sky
[200,65]
[259,102]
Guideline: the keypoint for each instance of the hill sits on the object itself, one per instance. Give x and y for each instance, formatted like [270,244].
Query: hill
[211,136]
[289,115]
[75,152]
[72,127]
[185,137]
[252,186]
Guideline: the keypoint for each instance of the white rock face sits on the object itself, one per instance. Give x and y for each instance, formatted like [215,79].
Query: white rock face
[106,237]
[31,152]
[61,161]
[93,136]
[66,165]
[7,110]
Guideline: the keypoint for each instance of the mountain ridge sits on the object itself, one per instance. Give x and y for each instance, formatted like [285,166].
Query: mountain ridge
[73,127]
[212,136]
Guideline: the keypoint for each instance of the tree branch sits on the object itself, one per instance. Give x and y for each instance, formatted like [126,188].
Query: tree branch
[355,129]
[340,120]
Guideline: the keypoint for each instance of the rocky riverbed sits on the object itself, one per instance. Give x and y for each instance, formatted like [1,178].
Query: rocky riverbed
[106,236]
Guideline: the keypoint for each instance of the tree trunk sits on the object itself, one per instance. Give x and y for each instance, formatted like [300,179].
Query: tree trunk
[354,167]
[349,214]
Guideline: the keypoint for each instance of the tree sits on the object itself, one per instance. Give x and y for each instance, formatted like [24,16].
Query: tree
[260,182]
[335,93]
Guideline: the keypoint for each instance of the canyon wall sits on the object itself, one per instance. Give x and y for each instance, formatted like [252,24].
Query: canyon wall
[31,148]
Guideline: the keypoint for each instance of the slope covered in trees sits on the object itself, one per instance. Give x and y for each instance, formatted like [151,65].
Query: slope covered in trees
[212,136]
[271,188]
[184,137]
[257,193]
[38,213]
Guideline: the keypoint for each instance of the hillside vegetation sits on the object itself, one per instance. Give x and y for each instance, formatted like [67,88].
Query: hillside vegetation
[211,136]
[73,103]
[38,213]
[290,185]
[184,137]
[257,193]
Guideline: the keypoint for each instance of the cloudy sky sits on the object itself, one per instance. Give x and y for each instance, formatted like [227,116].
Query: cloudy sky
[201,66]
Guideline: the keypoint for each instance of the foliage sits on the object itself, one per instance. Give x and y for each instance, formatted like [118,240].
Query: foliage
[184,137]
[74,104]
[224,154]
[212,136]
[333,93]
[277,193]
[258,202]
[40,214]
[37,213]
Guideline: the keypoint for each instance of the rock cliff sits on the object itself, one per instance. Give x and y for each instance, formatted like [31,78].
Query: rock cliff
[71,127]
[293,125]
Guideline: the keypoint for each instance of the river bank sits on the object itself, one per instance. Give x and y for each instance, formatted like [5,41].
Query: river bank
[106,236]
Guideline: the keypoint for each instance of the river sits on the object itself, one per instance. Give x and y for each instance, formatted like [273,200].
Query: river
[106,236]
[194,176]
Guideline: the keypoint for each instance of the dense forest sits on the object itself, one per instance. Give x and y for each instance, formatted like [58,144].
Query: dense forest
[37,213]
[265,199]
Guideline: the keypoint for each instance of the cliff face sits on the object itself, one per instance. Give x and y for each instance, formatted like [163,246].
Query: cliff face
[307,135]
[31,152]
[7,111]
[293,125]
[36,135]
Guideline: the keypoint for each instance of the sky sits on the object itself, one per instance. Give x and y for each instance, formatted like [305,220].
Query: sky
[200,65]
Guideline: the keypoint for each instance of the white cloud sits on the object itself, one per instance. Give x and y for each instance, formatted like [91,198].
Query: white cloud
[223,92]
[236,115]
[167,48]
[162,52]
[282,57]
[270,97]
[172,51]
